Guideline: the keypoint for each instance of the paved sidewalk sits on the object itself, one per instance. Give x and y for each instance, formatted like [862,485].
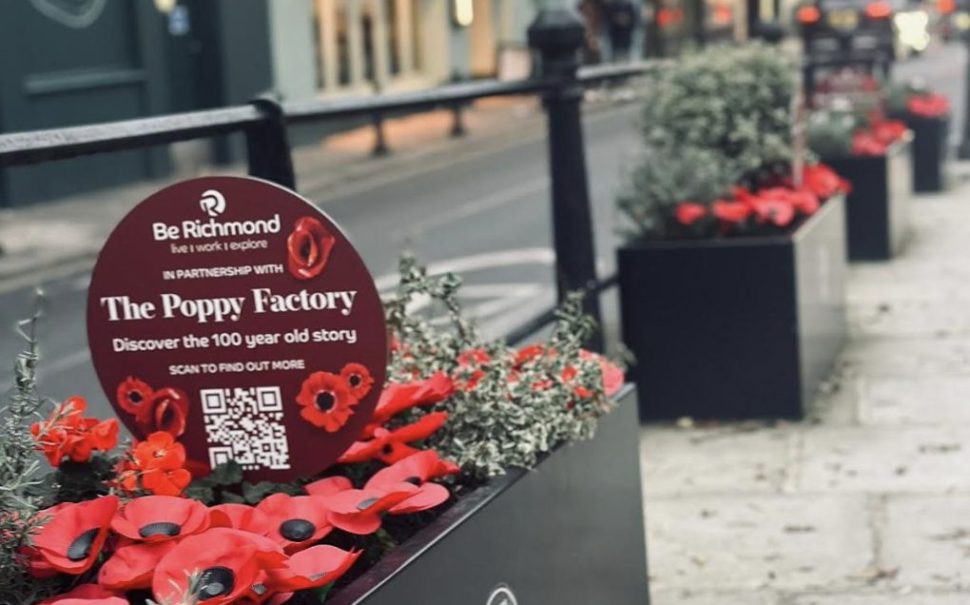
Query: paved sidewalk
[868,502]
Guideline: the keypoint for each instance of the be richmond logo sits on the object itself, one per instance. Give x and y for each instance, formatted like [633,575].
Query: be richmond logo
[213,203]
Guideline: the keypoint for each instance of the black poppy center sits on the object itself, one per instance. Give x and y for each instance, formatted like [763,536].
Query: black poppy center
[355,380]
[160,528]
[297,530]
[325,401]
[216,582]
[80,548]
[414,480]
[387,450]
[305,248]
[135,397]
[364,505]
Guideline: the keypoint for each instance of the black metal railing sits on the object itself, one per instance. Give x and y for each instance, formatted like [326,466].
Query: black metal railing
[556,35]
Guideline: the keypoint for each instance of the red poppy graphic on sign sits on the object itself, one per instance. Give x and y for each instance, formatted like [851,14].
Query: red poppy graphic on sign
[358,379]
[167,411]
[326,401]
[308,247]
[133,394]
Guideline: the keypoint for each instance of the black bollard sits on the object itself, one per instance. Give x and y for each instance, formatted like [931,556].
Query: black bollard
[963,152]
[558,35]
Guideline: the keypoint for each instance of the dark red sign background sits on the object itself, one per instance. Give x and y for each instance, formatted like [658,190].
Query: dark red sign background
[149,255]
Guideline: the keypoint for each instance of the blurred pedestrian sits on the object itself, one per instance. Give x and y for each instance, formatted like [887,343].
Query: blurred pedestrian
[592,15]
[621,20]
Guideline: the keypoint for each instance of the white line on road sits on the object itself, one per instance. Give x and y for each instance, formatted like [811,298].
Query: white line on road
[477,262]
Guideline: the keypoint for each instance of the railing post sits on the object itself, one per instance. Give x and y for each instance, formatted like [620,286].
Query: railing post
[558,35]
[268,147]
[457,121]
[380,140]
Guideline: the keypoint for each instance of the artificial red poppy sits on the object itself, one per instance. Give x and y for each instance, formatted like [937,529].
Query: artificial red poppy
[72,539]
[86,594]
[328,486]
[132,566]
[167,410]
[417,470]
[326,401]
[308,247]
[358,511]
[228,563]
[731,212]
[400,396]
[688,213]
[929,105]
[35,563]
[824,182]
[358,379]
[295,522]
[132,394]
[160,518]
[314,567]
[392,446]
[242,517]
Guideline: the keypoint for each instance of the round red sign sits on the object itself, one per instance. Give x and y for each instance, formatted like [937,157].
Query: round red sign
[236,316]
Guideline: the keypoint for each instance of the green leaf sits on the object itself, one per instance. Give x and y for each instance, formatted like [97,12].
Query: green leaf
[226,474]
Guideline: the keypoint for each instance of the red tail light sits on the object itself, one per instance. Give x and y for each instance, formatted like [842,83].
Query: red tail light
[879,10]
[809,14]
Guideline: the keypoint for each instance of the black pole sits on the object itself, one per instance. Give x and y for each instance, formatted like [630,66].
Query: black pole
[963,152]
[267,145]
[380,140]
[558,35]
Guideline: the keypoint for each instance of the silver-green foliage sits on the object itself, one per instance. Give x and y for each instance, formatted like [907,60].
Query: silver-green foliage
[516,412]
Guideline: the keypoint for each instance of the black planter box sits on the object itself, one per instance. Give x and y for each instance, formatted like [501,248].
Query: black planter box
[929,152]
[735,328]
[877,208]
[569,532]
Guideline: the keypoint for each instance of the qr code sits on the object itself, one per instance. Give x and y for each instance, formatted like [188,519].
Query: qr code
[246,425]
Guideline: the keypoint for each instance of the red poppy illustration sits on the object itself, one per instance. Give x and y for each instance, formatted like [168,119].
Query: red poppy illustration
[358,379]
[308,248]
[132,566]
[688,213]
[417,470]
[295,522]
[228,563]
[328,486]
[167,410]
[313,568]
[400,396]
[241,517]
[392,446]
[86,594]
[358,511]
[72,539]
[326,401]
[132,394]
[160,518]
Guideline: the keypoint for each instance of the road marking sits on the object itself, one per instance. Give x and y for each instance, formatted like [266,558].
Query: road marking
[38,278]
[477,262]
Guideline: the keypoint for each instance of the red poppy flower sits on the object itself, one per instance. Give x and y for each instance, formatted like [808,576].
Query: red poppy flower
[358,511]
[326,401]
[160,518]
[804,202]
[688,213]
[132,566]
[778,212]
[309,247]
[133,394]
[929,105]
[823,181]
[86,594]
[35,563]
[242,517]
[295,522]
[358,379]
[313,568]
[400,396]
[887,131]
[417,470]
[72,539]
[613,376]
[167,410]
[731,212]
[392,446]
[228,563]
[328,486]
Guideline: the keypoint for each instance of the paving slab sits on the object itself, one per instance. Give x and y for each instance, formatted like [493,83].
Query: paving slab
[748,457]
[755,542]
[901,597]
[913,401]
[927,538]
[910,356]
[688,597]
[884,459]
